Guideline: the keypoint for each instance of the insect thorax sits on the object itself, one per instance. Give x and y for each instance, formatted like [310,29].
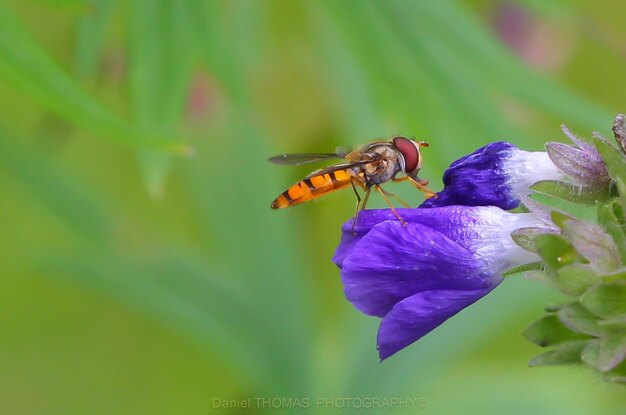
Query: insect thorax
[388,165]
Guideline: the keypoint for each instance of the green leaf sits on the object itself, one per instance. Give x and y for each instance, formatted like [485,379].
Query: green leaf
[611,218]
[618,322]
[612,349]
[441,59]
[570,192]
[555,250]
[617,375]
[27,67]
[523,237]
[73,202]
[220,32]
[575,279]
[613,159]
[606,300]
[452,21]
[578,319]
[617,275]
[161,63]
[548,331]
[92,27]
[589,354]
[175,293]
[559,218]
[564,354]
[353,78]
[621,189]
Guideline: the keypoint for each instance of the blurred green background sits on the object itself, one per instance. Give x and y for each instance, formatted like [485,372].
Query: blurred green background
[138,280]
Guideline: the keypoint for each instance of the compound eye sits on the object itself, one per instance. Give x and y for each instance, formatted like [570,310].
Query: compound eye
[409,150]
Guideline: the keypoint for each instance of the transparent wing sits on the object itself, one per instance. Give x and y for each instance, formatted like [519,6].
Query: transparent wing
[298,159]
[340,166]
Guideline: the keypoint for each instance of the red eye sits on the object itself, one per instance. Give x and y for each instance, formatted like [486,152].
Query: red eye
[409,151]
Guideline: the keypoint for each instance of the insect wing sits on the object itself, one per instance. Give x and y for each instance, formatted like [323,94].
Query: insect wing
[337,167]
[298,159]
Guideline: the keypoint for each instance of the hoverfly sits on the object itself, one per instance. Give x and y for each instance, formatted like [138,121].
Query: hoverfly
[368,167]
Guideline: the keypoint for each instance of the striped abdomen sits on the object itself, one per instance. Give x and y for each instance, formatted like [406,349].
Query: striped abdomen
[313,187]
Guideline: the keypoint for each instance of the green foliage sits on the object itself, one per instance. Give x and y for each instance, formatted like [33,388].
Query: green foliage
[575,279]
[568,191]
[24,64]
[613,158]
[550,331]
[585,261]
[579,319]
[564,354]
[606,300]
[115,302]
[555,250]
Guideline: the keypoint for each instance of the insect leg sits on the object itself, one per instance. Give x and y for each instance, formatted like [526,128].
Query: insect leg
[366,198]
[358,205]
[419,184]
[393,209]
[402,202]
[358,200]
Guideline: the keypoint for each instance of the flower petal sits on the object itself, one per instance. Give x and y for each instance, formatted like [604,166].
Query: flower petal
[498,174]
[483,228]
[477,180]
[453,221]
[393,262]
[415,316]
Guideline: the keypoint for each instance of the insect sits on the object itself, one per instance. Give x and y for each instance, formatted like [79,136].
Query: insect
[368,167]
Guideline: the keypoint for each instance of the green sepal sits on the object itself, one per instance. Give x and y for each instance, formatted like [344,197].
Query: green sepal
[564,354]
[612,349]
[617,375]
[621,190]
[611,218]
[580,320]
[523,237]
[617,275]
[613,158]
[555,250]
[549,331]
[589,355]
[606,300]
[590,241]
[570,192]
[574,279]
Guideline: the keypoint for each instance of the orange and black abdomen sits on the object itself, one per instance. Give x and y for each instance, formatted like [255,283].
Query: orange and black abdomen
[313,187]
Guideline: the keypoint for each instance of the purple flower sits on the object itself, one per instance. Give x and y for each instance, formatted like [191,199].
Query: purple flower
[498,174]
[417,276]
